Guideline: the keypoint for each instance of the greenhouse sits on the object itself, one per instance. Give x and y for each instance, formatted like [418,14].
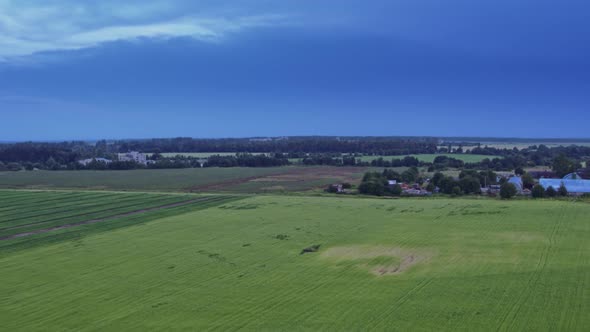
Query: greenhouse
[573,184]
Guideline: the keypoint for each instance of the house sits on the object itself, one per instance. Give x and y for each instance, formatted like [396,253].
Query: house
[391,183]
[85,162]
[134,156]
[335,188]
[574,184]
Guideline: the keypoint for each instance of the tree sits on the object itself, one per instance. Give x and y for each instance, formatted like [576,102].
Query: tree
[430,187]
[410,175]
[519,171]
[538,191]
[470,185]
[396,190]
[562,191]
[550,192]
[507,191]
[562,166]
[437,177]
[528,181]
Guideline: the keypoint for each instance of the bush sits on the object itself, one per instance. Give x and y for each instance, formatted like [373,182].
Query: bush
[430,187]
[456,191]
[346,185]
[562,191]
[550,192]
[538,191]
[396,190]
[507,191]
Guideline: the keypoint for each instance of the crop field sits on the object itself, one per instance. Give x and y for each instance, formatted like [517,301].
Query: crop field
[524,145]
[468,158]
[27,216]
[235,179]
[202,154]
[321,263]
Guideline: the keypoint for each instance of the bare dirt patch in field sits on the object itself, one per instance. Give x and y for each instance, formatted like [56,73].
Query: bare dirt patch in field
[379,260]
[301,177]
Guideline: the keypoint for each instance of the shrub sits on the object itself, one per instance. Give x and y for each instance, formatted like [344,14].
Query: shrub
[507,191]
[456,191]
[396,190]
[562,191]
[538,191]
[550,192]
[430,187]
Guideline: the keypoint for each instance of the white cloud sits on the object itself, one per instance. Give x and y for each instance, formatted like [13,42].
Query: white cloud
[58,26]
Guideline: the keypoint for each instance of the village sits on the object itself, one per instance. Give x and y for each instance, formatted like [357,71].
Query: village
[570,185]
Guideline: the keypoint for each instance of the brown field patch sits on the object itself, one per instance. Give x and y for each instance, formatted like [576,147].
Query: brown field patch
[302,175]
[375,258]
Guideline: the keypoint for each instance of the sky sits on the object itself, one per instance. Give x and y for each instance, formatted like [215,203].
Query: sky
[74,69]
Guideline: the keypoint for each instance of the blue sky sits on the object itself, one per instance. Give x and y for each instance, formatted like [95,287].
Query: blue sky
[98,69]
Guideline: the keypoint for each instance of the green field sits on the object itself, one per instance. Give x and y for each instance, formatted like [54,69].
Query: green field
[235,179]
[148,179]
[522,145]
[382,264]
[470,158]
[428,158]
[201,154]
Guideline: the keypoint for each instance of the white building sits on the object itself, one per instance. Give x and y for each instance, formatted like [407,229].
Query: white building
[135,156]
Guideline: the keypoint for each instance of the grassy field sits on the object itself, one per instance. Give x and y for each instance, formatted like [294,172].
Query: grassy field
[382,264]
[236,179]
[468,158]
[422,157]
[201,154]
[522,145]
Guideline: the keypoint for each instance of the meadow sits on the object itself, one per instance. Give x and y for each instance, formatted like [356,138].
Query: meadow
[235,179]
[428,158]
[468,158]
[321,263]
[202,154]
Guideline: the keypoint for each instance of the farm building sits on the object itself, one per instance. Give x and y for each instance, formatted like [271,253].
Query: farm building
[572,182]
[517,182]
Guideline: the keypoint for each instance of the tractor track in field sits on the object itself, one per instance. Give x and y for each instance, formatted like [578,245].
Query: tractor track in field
[97,220]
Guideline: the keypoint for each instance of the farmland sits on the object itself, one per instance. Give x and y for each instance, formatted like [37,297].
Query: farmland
[382,264]
[235,179]
[468,158]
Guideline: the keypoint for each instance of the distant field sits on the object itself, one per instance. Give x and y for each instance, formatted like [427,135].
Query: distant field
[236,179]
[382,264]
[200,154]
[149,180]
[468,158]
[521,145]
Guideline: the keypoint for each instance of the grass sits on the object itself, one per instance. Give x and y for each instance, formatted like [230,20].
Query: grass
[382,264]
[468,158]
[202,154]
[522,145]
[142,180]
[235,179]
[49,216]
